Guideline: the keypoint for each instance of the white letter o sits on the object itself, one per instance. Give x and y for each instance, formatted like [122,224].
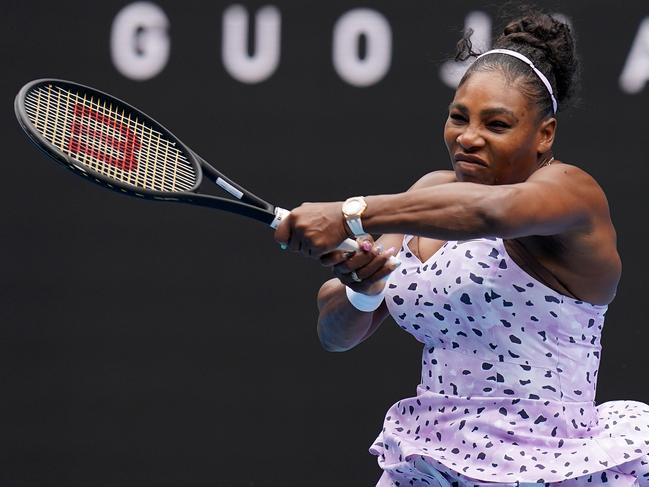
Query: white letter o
[347,31]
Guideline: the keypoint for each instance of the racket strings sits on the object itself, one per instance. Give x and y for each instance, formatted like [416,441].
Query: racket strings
[93,146]
[108,140]
[92,142]
[91,139]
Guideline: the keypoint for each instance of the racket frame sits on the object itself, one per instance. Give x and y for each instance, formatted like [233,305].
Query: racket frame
[246,204]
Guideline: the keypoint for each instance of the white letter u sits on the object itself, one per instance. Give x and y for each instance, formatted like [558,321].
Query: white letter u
[263,62]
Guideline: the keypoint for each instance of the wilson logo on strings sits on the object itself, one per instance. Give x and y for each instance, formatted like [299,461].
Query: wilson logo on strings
[103,138]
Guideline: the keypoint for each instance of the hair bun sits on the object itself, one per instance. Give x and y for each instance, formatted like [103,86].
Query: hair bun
[550,44]
[545,40]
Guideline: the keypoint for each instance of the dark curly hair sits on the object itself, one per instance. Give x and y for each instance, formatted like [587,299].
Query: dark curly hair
[547,42]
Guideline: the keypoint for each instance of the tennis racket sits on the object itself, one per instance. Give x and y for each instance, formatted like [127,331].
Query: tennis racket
[111,143]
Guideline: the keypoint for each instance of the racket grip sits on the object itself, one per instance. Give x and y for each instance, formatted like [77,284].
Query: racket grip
[347,245]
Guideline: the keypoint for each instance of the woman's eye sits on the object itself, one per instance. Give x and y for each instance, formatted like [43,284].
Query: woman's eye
[499,125]
[457,117]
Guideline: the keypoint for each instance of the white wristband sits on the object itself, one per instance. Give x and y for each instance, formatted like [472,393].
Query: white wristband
[363,302]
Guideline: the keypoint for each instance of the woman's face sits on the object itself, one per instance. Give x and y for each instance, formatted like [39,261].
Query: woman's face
[493,132]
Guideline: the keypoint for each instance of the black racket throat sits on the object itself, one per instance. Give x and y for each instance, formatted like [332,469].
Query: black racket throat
[246,204]
[228,185]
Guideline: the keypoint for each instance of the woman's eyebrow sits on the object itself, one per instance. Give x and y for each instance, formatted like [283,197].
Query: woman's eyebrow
[487,112]
[458,106]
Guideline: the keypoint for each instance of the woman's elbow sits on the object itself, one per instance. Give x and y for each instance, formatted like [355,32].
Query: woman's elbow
[332,347]
[332,344]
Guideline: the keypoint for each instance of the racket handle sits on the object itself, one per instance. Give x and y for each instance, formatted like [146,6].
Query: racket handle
[347,245]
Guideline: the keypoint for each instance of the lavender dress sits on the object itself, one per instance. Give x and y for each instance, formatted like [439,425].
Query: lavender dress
[509,372]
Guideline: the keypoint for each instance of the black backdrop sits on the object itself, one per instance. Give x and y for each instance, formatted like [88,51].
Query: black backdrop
[149,344]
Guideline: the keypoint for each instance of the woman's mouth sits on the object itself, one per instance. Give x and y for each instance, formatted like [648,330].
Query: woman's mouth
[467,158]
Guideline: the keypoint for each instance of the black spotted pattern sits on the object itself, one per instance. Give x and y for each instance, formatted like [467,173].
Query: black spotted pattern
[509,372]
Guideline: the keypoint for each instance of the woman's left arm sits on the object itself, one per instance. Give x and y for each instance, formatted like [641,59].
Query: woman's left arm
[554,200]
[557,199]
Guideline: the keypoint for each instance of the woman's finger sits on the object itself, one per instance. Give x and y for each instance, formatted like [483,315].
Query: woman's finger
[336,257]
[353,263]
[295,242]
[359,258]
[381,273]
[362,276]
[379,261]
[376,270]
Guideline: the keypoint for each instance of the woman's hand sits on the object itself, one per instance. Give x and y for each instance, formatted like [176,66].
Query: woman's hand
[313,229]
[363,271]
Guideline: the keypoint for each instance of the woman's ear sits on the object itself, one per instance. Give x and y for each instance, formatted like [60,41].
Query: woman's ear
[547,131]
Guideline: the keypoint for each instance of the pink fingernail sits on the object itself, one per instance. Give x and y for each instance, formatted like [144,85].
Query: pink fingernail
[390,250]
[366,245]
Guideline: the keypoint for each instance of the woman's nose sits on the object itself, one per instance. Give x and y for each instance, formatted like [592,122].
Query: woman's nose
[470,138]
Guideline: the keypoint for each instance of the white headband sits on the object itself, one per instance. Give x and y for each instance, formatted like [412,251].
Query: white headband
[531,64]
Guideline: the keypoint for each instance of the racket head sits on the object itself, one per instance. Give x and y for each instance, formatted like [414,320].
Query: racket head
[106,140]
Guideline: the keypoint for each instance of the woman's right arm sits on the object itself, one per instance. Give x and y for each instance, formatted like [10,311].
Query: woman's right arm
[340,325]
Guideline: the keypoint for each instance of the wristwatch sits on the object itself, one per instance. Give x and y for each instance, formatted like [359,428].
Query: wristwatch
[353,208]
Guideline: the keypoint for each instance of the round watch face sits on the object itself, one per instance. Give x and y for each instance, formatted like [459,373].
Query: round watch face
[353,207]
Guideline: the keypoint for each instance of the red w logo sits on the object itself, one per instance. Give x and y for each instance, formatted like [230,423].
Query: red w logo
[103,138]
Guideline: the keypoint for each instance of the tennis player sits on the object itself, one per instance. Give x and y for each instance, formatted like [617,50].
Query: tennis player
[508,264]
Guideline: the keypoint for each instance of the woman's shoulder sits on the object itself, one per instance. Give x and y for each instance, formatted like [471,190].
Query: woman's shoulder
[563,176]
[588,261]
[564,169]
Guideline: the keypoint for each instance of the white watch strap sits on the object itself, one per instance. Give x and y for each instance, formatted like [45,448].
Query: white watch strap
[356,226]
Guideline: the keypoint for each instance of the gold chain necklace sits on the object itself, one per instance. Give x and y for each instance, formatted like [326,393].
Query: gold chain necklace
[548,162]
